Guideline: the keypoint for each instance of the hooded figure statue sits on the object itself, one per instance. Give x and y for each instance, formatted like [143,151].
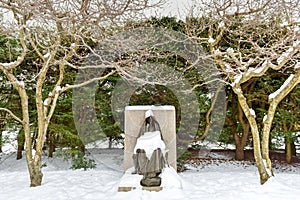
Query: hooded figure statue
[150,152]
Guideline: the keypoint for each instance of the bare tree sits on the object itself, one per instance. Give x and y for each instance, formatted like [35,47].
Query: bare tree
[246,39]
[55,32]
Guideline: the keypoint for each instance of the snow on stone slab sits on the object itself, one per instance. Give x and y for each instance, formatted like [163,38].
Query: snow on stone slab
[287,82]
[131,180]
[150,107]
[150,141]
[169,179]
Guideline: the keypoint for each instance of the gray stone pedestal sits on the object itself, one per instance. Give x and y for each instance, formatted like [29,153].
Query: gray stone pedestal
[134,118]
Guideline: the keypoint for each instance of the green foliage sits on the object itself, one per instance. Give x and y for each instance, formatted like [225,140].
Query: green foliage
[103,98]
[167,22]
[78,160]
[182,159]
[83,163]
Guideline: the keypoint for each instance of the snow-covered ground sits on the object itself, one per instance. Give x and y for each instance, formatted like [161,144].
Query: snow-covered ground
[213,179]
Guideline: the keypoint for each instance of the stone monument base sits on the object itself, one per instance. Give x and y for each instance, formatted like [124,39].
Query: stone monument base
[169,177]
[131,181]
[153,189]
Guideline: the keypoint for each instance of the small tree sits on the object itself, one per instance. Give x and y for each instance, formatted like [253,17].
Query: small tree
[246,39]
[59,34]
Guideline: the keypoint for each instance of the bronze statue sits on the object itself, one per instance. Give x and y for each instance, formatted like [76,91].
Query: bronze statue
[149,156]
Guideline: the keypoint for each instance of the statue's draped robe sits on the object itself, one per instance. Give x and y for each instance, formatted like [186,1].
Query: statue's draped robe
[150,167]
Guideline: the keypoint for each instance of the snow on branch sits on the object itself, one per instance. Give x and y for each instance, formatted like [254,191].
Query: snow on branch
[252,112]
[67,87]
[297,66]
[287,85]
[288,53]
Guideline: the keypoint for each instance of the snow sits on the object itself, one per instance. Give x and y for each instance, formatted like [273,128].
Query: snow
[149,142]
[217,52]
[285,55]
[9,142]
[230,50]
[21,83]
[265,118]
[237,78]
[169,179]
[267,169]
[258,70]
[221,24]
[149,108]
[252,112]
[217,180]
[8,64]
[287,82]
[297,66]
[57,88]
[46,102]
[211,40]
[46,55]
[296,43]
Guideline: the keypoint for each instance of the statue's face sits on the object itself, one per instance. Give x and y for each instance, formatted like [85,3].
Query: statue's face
[148,120]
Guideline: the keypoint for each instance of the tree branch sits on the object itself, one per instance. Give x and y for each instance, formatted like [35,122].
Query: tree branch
[12,114]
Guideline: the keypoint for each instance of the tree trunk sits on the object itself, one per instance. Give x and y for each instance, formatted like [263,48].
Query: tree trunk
[0,141]
[239,152]
[240,141]
[288,143]
[110,142]
[36,175]
[34,165]
[2,118]
[260,164]
[288,148]
[51,145]
[21,143]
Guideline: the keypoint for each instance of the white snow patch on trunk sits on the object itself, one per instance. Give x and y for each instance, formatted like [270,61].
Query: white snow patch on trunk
[237,78]
[46,102]
[267,169]
[252,112]
[265,118]
[21,83]
[211,40]
[57,88]
[46,55]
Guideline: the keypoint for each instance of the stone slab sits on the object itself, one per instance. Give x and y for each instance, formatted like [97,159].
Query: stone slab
[134,118]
